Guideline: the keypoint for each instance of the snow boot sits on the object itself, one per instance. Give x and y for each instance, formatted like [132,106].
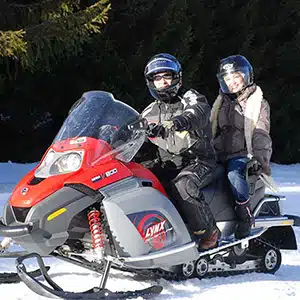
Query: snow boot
[245,220]
[211,241]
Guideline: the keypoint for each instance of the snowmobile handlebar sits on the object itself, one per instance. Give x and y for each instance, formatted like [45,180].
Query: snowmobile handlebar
[14,231]
[140,124]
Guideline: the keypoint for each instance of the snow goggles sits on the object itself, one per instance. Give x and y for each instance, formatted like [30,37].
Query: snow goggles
[163,76]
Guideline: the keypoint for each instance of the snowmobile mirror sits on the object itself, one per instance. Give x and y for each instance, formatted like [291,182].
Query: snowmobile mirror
[140,124]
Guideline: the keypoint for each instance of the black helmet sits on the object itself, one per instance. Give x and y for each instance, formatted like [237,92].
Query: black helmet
[232,64]
[163,62]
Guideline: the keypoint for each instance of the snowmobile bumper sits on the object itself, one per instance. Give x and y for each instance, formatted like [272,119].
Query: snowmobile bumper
[14,231]
[56,292]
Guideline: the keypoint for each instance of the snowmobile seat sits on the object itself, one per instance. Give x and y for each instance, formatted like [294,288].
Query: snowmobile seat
[219,196]
[216,173]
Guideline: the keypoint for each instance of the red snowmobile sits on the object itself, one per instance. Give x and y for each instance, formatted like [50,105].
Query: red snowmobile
[89,203]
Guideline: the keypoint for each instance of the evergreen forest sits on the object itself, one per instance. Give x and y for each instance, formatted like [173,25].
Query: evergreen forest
[52,51]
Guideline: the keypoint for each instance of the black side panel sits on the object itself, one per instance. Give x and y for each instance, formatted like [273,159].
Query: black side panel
[51,230]
[283,237]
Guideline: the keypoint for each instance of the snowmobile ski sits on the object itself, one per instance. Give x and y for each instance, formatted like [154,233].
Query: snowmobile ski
[56,292]
[14,277]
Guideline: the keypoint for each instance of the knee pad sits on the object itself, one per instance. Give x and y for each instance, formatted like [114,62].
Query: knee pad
[187,188]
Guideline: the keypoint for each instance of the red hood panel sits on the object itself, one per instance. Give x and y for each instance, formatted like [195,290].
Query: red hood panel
[25,195]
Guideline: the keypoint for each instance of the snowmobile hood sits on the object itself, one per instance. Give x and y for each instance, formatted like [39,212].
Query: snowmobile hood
[96,141]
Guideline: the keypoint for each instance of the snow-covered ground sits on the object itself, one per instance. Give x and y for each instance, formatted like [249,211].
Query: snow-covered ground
[285,284]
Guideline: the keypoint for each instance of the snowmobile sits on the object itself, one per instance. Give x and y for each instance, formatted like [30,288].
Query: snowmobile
[89,203]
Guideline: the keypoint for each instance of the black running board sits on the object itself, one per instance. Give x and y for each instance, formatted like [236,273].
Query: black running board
[15,278]
[56,292]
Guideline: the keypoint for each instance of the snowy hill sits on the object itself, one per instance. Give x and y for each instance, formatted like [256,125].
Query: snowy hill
[285,284]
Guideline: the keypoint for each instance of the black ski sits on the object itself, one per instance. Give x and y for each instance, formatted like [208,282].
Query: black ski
[55,291]
[14,277]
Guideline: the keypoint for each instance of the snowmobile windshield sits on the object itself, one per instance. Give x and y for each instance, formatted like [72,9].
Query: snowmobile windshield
[98,115]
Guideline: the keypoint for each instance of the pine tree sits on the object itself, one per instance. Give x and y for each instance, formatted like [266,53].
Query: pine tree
[39,34]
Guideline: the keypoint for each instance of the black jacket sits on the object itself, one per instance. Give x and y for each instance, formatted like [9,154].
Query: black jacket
[189,145]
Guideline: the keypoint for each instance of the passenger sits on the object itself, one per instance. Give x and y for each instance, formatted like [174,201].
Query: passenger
[240,119]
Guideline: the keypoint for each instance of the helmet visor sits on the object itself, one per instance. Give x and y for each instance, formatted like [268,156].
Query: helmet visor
[233,81]
[161,65]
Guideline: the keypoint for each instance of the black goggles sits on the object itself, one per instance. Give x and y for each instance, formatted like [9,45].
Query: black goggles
[164,76]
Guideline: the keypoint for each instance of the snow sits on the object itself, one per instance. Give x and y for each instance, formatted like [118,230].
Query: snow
[285,284]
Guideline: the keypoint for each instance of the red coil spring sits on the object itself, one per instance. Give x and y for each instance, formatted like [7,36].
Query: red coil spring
[96,229]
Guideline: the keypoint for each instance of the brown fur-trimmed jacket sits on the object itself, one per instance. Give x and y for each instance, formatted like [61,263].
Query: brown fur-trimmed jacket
[241,126]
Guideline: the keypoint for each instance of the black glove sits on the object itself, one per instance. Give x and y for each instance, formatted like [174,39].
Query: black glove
[180,123]
[264,165]
[259,166]
[156,130]
[255,167]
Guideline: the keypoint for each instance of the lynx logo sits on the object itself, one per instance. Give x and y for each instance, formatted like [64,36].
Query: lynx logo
[155,229]
[228,67]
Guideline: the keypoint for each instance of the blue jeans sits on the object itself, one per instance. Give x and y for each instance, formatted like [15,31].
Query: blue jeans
[236,172]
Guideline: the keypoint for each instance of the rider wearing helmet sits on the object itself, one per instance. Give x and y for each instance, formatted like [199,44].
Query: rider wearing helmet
[184,158]
[241,124]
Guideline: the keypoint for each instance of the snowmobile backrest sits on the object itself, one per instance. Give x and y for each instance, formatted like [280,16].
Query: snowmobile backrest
[256,192]
[254,183]
[252,175]
[256,186]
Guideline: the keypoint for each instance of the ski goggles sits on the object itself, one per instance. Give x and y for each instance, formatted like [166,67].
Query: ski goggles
[163,76]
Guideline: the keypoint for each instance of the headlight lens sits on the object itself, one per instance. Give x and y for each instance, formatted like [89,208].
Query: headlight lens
[67,163]
[49,157]
[47,160]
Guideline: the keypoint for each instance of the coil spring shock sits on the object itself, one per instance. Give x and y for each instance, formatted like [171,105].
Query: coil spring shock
[96,231]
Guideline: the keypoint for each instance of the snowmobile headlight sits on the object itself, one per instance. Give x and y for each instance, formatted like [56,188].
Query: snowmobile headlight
[47,160]
[49,157]
[70,162]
